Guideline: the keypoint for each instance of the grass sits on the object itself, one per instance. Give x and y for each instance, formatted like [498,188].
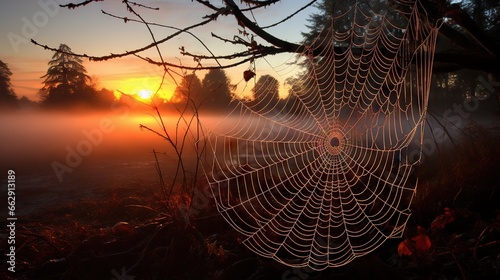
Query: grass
[463,176]
[85,239]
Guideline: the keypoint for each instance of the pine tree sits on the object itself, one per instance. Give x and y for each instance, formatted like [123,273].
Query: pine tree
[7,96]
[318,21]
[66,80]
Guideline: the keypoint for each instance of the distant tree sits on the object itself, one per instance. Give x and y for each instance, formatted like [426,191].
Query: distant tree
[295,89]
[66,81]
[189,89]
[266,92]
[217,89]
[7,96]
[105,98]
[102,98]
[25,102]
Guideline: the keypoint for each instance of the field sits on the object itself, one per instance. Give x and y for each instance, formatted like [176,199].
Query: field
[134,229]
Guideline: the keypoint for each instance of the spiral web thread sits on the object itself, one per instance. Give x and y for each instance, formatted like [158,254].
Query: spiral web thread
[322,177]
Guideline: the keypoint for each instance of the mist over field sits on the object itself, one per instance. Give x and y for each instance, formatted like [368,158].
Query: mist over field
[62,156]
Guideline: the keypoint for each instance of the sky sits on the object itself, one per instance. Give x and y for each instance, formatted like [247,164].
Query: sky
[87,30]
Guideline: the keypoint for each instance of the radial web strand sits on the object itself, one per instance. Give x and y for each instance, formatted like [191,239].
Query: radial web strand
[323,176]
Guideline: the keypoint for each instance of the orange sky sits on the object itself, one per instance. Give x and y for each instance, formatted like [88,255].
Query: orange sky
[87,30]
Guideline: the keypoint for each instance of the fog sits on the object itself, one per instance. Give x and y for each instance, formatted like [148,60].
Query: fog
[59,157]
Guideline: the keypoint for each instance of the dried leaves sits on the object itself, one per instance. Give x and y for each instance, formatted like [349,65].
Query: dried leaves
[218,252]
[418,244]
[442,220]
[248,74]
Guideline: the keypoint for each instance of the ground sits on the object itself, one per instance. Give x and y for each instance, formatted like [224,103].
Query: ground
[128,232]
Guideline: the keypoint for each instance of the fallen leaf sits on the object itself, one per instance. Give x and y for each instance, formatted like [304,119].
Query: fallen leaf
[419,243]
[404,248]
[442,220]
[122,228]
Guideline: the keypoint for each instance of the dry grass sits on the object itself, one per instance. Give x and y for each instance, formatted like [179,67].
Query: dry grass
[464,176]
[77,241]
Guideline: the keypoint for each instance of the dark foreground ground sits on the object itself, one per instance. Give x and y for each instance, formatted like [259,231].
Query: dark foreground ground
[129,232]
[120,235]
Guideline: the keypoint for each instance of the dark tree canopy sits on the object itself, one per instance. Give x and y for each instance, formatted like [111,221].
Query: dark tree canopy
[211,93]
[217,88]
[25,102]
[486,13]
[266,92]
[7,96]
[66,80]
[67,83]
[189,89]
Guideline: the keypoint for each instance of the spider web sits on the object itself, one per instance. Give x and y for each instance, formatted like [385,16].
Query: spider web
[324,176]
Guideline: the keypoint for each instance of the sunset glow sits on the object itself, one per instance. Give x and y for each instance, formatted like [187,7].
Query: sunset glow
[145,93]
[30,61]
[144,88]
[239,139]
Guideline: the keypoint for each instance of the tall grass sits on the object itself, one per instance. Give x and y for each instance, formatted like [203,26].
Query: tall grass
[464,175]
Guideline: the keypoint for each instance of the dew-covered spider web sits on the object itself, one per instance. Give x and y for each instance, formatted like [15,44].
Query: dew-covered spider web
[325,175]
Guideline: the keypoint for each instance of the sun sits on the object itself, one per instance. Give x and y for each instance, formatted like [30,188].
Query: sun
[145,93]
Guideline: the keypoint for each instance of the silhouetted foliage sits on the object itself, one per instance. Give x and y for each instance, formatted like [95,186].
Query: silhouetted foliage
[66,81]
[470,27]
[105,98]
[8,98]
[474,49]
[25,102]
[217,88]
[189,89]
[266,92]
[486,13]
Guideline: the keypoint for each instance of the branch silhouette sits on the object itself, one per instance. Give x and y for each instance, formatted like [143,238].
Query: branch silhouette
[467,57]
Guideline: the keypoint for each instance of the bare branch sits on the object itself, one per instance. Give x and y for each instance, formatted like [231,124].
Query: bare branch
[290,16]
[74,6]
[125,19]
[467,57]
[127,53]
[208,4]
[149,30]
[246,22]
[142,6]
[199,67]
[258,4]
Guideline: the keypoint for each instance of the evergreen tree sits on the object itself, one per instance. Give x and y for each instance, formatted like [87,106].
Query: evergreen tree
[66,80]
[318,21]
[217,89]
[7,96]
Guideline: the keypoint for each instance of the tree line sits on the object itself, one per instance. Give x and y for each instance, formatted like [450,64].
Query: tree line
[66,84]
[469,41]
[8,98]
